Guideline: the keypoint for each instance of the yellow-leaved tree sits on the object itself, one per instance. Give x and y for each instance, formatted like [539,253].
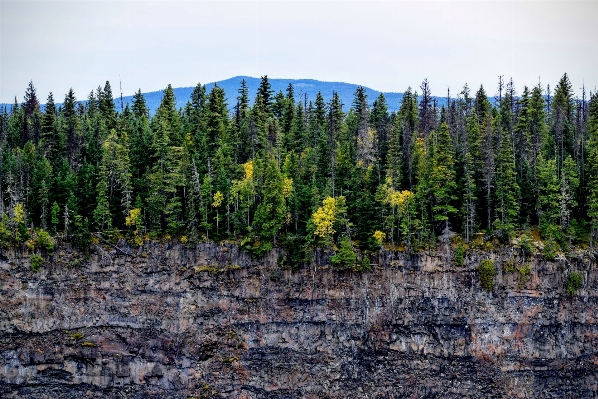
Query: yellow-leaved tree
[399,217]
[243,195]
[328,218]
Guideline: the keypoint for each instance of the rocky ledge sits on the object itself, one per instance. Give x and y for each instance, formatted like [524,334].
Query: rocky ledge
[172,321]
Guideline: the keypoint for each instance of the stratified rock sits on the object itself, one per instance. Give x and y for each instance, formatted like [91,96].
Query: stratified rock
[169,321]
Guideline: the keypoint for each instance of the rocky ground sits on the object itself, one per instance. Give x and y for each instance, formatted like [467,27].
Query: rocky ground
[169,321]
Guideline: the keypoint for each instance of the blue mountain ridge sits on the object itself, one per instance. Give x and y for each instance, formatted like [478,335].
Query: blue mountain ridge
[303,87]
[309,87]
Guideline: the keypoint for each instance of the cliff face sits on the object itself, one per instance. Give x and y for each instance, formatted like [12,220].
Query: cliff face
[175,322]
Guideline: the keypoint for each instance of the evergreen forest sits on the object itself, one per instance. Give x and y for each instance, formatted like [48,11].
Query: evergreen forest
[301,174]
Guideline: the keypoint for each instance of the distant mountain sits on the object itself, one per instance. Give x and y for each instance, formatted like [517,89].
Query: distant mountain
[302,87]
[309,87]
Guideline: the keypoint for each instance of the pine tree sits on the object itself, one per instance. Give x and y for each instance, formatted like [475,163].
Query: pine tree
[264,93]
[442,176]
[50,141]
[569,183]
[562,121]
[380,120]
[507,189]
[365,135]
[71,129]
[335,124]
[107,108]
[407,118]
[427,116]
[139,107]
[166,176]
[548,206]
[271,213]
[241,132]
[167,115]
[32,117]
[592,163]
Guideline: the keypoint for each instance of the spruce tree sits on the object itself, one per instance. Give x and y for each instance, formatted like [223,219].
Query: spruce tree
[592,163]
[272,210]
[507,189]
[442,176]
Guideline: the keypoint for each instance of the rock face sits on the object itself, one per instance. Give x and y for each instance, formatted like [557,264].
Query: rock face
[168,321]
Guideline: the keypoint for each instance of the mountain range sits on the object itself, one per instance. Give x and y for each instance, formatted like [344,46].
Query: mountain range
[303,88]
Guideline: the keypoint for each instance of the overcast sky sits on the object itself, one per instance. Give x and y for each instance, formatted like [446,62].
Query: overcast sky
[387,46]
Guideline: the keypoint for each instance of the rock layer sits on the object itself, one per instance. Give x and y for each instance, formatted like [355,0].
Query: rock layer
[169,321]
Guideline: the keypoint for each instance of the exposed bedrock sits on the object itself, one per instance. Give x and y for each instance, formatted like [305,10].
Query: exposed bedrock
[169,321]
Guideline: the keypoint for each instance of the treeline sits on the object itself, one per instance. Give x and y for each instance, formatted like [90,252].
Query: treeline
[300,174]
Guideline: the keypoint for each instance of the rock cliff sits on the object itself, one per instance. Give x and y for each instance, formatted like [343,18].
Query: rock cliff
[169,321]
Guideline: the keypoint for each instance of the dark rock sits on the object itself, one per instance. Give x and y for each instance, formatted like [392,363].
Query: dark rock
[209,321]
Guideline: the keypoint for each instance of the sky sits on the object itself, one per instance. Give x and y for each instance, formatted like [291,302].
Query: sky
[387,46]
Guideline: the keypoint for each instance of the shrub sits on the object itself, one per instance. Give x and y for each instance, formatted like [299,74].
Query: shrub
[460,254]
[486,273]
[44,239]
[365,263]
[524,273]
[574,282]
[509,266]
[527,244]
[345,258]
[36,262]
[550,250]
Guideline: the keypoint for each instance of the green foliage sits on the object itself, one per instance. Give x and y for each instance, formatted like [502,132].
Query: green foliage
[442,176]
[271,212]
[507,190]
[36,262]
[574,282]
[345,258]
[45,240]
[460,252]
[55,212]
[524,272]
[5,233]
[593,168]
[300,174]
[527,245]
[80,234]
[486,273]
[550,249]
[509,266]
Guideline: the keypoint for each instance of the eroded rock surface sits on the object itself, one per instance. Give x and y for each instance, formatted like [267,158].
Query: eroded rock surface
[209,321]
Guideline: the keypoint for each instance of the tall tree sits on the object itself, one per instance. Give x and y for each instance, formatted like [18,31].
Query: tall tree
[427,116]
[442,176]
[507,189]
[593,168]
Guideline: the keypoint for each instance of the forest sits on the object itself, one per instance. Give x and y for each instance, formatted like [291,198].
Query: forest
[299,173]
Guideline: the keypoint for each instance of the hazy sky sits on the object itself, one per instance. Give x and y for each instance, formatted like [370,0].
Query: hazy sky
[387,46]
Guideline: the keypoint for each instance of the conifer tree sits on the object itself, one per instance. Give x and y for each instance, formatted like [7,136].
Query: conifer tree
[569,183]
[507,189]
[70,124]
[548,195]
[107,108]
[264,93]
[380,121]
[50,141]
[164,205]
[592,163]
[139,107]
[365,151]
[442,176]
[271,213]
[562,125]
[407,118]
[32,116]
[427,115]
